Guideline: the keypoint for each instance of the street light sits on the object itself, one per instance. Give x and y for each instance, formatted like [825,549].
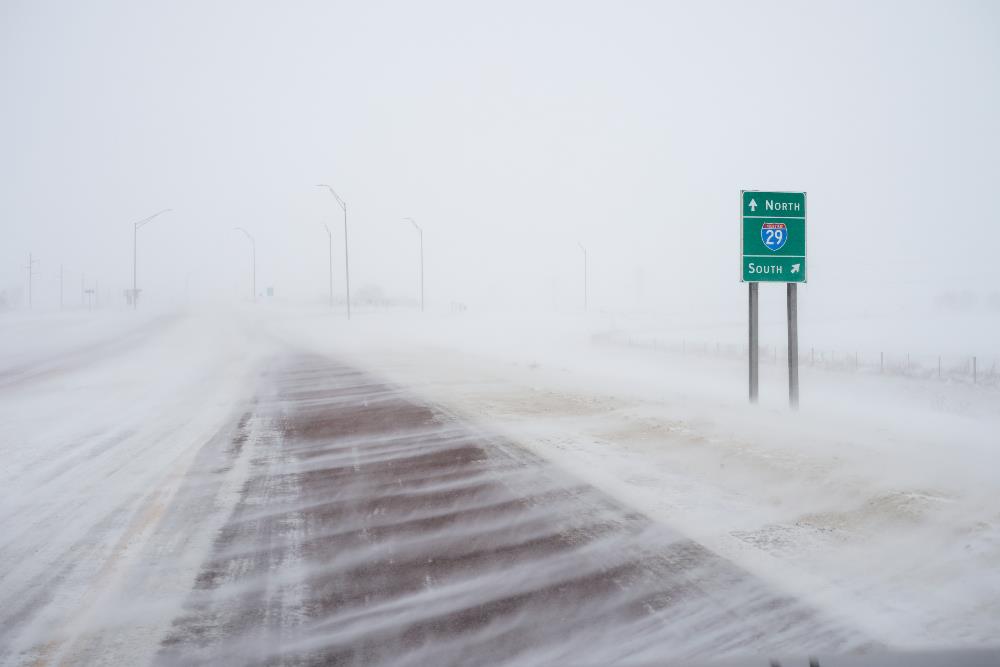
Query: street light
[421,232]
[329,238]
[253,263]
[347,269]
[135,235]
[584,275]
[31,274]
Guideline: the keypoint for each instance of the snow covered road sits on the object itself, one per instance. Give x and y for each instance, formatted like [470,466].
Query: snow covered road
[251,487]
[254,504]
[100,431]
[376,530]
[877,501]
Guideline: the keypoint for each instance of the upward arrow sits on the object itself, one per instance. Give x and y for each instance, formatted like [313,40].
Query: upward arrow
[752,205]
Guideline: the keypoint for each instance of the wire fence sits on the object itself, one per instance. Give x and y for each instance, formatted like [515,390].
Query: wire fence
[970,369]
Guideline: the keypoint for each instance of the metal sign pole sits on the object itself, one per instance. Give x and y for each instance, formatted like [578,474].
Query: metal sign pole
[793,346]
[773,250]
[754,346]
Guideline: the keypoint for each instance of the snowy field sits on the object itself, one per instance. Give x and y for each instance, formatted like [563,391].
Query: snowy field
[876,503]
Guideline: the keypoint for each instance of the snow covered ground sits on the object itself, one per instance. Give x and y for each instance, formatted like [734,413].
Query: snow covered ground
[878,502]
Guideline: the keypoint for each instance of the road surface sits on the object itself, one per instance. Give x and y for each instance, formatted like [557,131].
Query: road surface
[339,520]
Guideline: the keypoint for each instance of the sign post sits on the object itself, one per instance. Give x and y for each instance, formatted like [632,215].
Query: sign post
[793,344]
[754,345]
[773,249]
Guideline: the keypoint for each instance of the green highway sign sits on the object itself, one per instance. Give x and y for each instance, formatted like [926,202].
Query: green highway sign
[772,237]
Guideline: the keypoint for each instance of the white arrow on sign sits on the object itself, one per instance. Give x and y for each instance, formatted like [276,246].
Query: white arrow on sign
[752,205]
[795,268]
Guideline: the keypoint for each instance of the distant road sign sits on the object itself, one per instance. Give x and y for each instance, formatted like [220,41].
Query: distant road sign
[772,236]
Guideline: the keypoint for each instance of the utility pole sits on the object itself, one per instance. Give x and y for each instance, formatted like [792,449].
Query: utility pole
[135,234]
[347,266]
[253,263]
[31,275]
[421,232]
[584,276]
[329,238]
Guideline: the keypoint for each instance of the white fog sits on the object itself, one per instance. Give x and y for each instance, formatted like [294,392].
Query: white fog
[522,434]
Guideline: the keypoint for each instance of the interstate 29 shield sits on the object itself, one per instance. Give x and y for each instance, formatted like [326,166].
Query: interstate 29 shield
[774,235]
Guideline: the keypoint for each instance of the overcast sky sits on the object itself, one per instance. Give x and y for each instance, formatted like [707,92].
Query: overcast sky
[511,131]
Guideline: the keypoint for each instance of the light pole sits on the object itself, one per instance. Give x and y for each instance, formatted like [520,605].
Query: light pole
[253,263]
[421,232]
[31,275]
[584,275]
[329,238]
[347,267]
[135,235]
